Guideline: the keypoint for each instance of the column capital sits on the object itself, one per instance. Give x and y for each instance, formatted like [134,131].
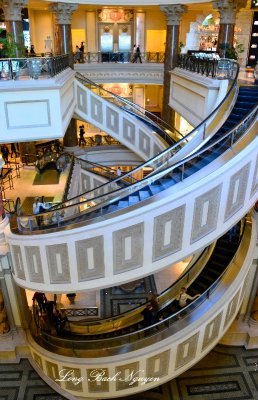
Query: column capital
[173,13]
[12,9]
[63,12]
[228,9]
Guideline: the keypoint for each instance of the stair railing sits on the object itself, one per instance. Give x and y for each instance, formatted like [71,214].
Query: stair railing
[106,172]
[79,212]
[91,202]
[160,330]
[164,130]
[165,298]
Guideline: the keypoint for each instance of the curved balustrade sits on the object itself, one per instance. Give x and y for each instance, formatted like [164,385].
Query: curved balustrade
[169,134]
[134,316]
[221,69]
[121,57]
[167,350]
[237,242]
[108,203]
[32,67]
[106,172]
[216,68]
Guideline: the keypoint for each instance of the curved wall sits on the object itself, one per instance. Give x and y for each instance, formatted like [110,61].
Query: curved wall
[119,124]
[190,340]
[157,233]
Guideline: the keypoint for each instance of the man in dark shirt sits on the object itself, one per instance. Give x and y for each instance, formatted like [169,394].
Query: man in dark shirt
[82,52]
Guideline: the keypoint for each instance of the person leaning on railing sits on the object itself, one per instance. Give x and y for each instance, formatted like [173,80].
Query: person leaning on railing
[184,297]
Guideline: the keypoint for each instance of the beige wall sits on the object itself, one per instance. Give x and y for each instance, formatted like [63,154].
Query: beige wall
[41,26]
[79,28]
[155,30]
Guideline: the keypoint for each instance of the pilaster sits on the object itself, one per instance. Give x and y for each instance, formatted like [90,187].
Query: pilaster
[228,10]
[13,18]
[173,14]
[12,9]
[63,13]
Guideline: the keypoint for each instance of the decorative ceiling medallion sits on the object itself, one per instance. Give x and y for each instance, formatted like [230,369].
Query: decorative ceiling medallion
[115,15]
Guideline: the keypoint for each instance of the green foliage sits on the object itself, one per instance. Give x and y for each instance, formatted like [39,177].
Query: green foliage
[9,48]
[232,52]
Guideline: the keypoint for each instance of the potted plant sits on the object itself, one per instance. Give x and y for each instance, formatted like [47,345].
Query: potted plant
[231,52]
[71,297]
[8,47]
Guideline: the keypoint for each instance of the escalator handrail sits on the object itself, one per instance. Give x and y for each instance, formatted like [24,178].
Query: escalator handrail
[121,192]
[164,292]
[123,100]
[140,111]
[170,149]
[132,337]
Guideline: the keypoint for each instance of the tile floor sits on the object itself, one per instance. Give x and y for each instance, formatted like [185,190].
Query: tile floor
[225,373]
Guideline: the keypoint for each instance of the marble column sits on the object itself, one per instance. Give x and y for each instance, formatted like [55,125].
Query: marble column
[13,19]
[63,13]
[228,10]
[173,15]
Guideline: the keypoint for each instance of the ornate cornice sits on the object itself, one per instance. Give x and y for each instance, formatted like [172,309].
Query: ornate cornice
[228,9]
[63,12]
[12,9]
[173,13]
[126,76]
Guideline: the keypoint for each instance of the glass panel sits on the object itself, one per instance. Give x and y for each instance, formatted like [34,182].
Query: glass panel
[124,39]
[106,38]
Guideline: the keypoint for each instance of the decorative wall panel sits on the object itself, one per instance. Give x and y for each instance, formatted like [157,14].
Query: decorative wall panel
[168,233]
[74,378]
[25,114]
[231,310]
[95,385]
[18,263]
[96,110]
[255,179]
[144,143]
[53,371]
[128,131]
[82,100]
[128,248]
[127,374]
[186,351]
[85,182]
[157,366]
[211,331]
[38,360]
[112,118]
[237,191]
[58,263]
[34,263]
[97,183]
[205,217]
[90,258]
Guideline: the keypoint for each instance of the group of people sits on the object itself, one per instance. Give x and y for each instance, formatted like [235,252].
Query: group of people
[39,207]
[152,314]
[49,314]
[6,152]
[136,54]
[81,135]
[79,53]
[30,52]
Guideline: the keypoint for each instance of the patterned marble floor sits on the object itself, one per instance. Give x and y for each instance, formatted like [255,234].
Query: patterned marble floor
[225,373]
